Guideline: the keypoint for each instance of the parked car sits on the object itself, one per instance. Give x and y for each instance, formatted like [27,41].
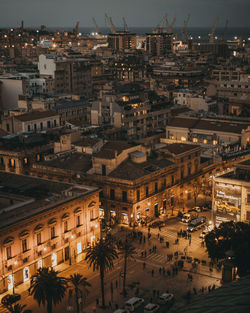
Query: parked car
[121,311]
[10,299]
[166,298]
[196,209]
[151,308]
[133,303]
[155,224]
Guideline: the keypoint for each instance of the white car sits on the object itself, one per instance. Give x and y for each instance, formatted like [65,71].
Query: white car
[133,303]
[151,308]
[166,298]
[204,233]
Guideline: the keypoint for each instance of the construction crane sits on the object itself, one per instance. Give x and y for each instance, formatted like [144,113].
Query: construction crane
[185,35]
[225,30]
[211,34]
[76,29]
[96,26]
[22,27]
[160,27]
[170,27]
[110,23]
[125,26]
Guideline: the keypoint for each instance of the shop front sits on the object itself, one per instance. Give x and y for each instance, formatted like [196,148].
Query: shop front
[227,203]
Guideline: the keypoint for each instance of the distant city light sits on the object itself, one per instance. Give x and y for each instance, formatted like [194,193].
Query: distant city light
[235,37]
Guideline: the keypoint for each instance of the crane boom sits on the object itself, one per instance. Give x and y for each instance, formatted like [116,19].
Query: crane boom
[211,34]
[184,31]
[96,26]
[110,23]
[77,28]
[170,27]
[160,27]
[125,25]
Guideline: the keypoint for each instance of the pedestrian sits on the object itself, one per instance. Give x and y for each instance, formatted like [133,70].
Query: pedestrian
[152,272]
[195,292]
[110,305]
[144,239]
[145,254]
[116,284]
[144,265]
[150,251]
[190,241]
[158,235]
[163,270]
[160,270]
[97,301]
[169,273]
[158,293]
[142,254]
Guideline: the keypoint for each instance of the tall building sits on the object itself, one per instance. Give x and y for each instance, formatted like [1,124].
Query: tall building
[159,44]
[122,41]
[70,75]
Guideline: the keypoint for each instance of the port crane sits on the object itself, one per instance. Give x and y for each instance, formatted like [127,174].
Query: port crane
[125,26]
[171,26]
[211,34]
[96,26]
[76,29]
[160,27]
[110,23]
[185,35]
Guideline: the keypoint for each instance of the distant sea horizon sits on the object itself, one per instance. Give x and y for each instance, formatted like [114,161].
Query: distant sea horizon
[230,33]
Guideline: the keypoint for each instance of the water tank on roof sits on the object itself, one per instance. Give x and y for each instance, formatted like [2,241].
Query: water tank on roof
[138,157]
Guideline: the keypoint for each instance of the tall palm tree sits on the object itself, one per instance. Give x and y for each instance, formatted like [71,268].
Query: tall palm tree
[127,251]
[80,285]
[101,257]
[16,308]
[47,287]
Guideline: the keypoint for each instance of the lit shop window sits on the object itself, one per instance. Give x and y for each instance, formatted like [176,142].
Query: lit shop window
[205,141]
[79,247]
[10,282]
[26,274]
[183,138]
[40,264]
[215,142]
[195,140]
[53,259]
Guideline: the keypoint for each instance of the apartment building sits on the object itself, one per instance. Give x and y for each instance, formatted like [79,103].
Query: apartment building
[55,223]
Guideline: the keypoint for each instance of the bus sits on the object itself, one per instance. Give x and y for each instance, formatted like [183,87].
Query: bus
[196,223]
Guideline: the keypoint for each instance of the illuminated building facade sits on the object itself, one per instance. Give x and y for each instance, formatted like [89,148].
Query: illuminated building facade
[231,194]
[55,223]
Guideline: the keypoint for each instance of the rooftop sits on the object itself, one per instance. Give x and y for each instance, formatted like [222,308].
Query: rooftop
[128,170]
[35,115]
[111,148]
[29,196]
[208,124]
[180,148]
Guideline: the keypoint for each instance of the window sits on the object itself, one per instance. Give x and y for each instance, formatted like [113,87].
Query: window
[38,239]
[8,252]
[35,127]
[41,126]
[248,198]
[24,245]
[146,191]
[124,196]
[65,226]
[28,128]
[112,194]
[48,124]
[103,170]
[164,183]
[54,123]
[189,170]
[156,187]
[138,195]
[78,220]
[195,140]
[8,127]
[12,163]
[52,232]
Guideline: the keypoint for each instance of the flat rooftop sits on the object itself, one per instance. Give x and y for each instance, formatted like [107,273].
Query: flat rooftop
[22,197]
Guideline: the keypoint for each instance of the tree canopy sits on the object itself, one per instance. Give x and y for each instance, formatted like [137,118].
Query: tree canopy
[233,237]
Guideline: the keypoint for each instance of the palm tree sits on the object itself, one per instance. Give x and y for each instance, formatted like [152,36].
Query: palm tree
[47,287]
[16,308]
[101,257]
[80,285]
[127,251]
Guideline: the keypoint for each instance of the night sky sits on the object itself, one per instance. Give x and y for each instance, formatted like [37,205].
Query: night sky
[137,12]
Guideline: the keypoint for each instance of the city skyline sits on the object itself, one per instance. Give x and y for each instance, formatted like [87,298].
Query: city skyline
[62,13]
